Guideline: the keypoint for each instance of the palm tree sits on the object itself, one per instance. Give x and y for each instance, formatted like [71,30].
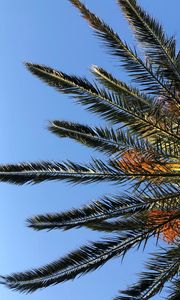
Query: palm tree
[142,150]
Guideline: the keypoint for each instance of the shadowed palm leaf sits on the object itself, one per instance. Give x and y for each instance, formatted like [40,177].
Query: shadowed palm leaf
[142,149]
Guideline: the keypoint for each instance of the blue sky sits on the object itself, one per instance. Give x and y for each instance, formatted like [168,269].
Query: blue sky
[53,33]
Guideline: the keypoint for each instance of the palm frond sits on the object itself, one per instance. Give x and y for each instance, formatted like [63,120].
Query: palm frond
[161,268]
[82,261]
[97,100]
[69,171]
[122,88]
[138,221]
[96,171]
[106,208]
[117,226]
[159,48]
[141,71]
[105,139]
[108,105]
[102,139]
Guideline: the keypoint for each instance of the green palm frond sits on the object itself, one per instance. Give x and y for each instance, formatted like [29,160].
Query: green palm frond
[102,139]
[69,171]
[138,221]
[106,208]
[142,72]
[122,88]
[97,100]
[105,139]
[86,259]
[96,171]
[162,267]
[159,48]
[119,225]
[106,104]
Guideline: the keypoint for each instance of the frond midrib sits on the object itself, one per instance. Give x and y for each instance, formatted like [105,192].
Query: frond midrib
[92,173]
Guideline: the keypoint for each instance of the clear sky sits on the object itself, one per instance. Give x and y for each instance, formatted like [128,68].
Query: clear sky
[53,33]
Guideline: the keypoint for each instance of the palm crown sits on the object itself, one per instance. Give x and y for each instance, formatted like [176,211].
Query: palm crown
[142,149]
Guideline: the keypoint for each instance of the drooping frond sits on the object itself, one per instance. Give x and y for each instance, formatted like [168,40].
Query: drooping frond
[106,208]
[100,210]
[141,71]
[108,105]
[159,48]
[86,259]
[161,268]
